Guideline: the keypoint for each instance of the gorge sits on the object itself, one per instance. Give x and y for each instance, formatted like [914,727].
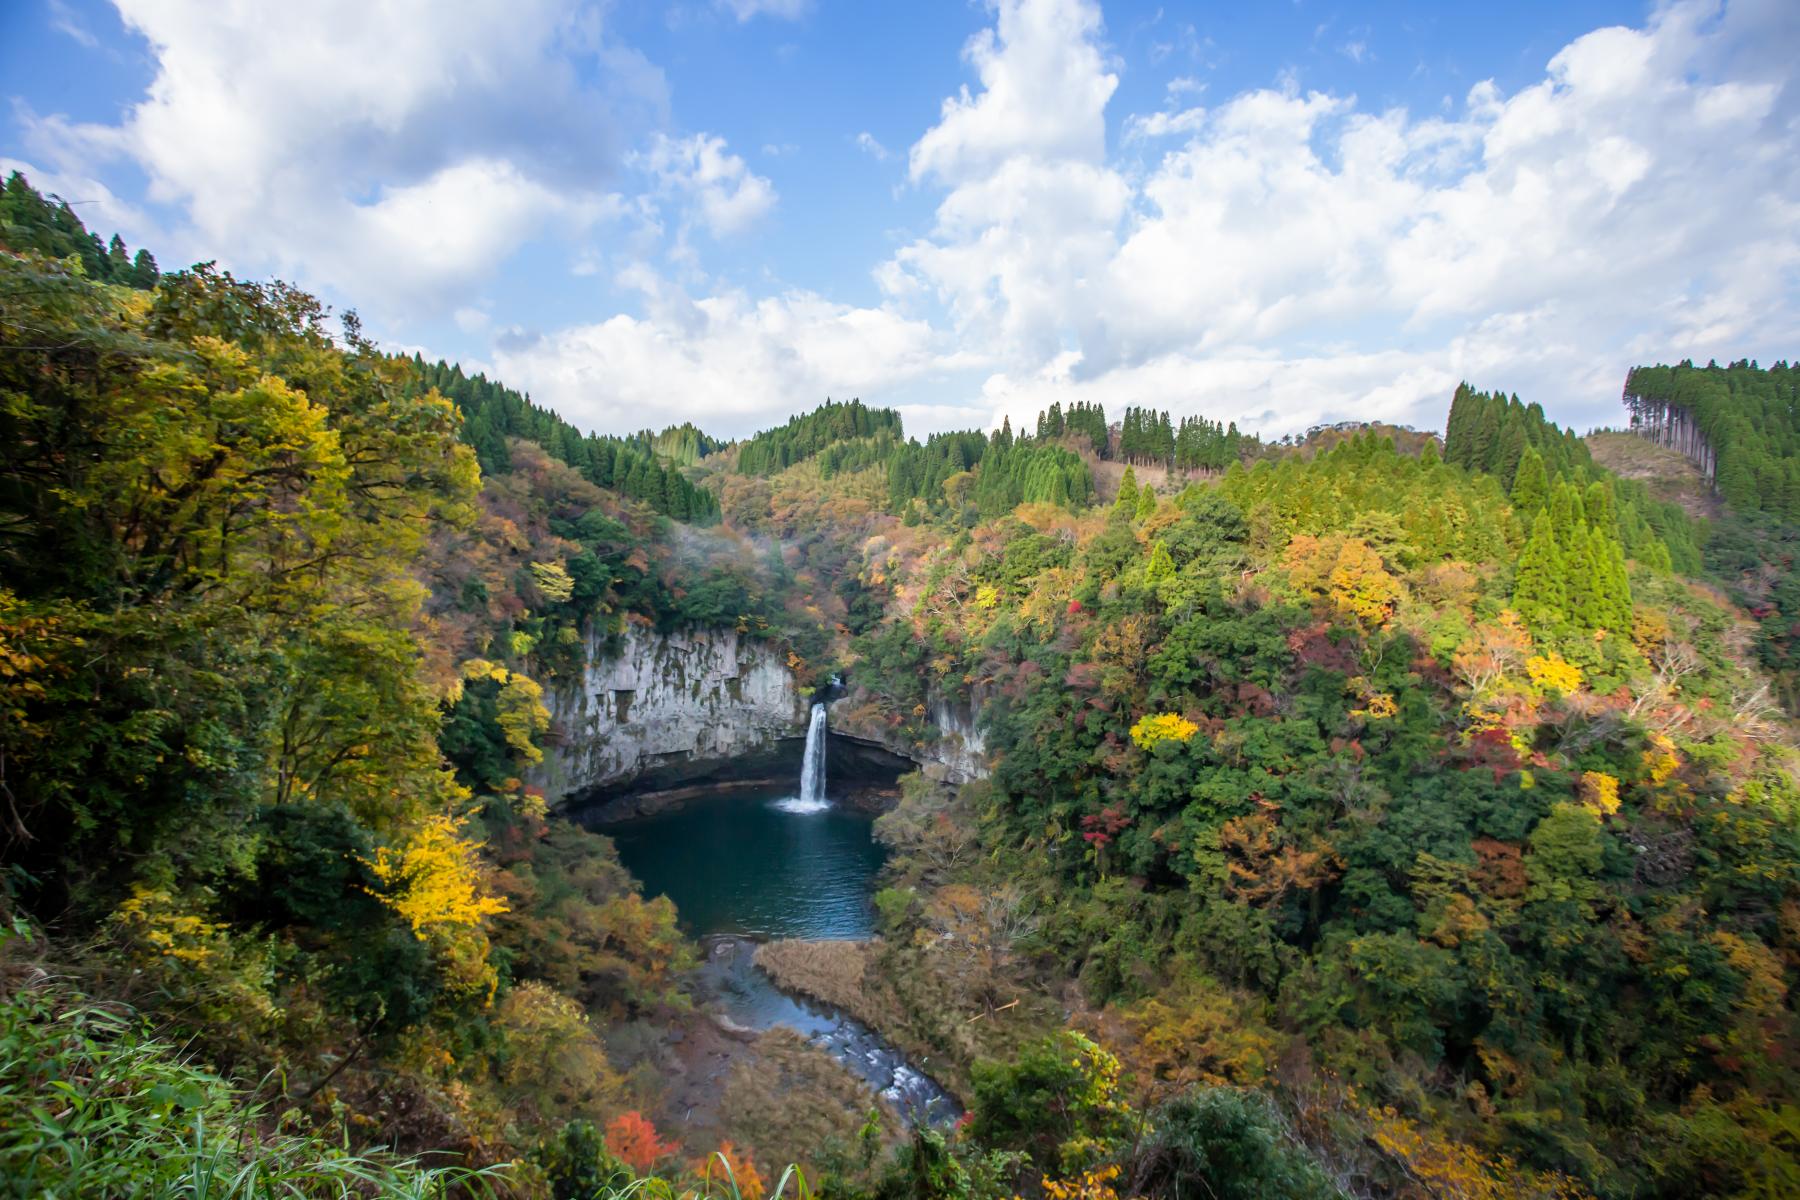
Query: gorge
[745,865]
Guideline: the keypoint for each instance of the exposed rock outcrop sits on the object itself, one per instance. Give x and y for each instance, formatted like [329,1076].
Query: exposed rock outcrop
[663,712]
[957,755]
[665,709]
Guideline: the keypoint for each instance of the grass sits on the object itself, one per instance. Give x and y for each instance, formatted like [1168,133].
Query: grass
[793,1102]
[831,971]
[92,1105]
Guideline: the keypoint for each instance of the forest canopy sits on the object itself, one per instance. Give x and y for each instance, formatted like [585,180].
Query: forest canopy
[1362,816]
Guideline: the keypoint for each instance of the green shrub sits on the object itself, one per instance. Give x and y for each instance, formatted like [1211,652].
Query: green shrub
[1224,1144]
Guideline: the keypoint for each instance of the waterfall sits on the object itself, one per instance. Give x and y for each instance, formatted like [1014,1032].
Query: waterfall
[812,766]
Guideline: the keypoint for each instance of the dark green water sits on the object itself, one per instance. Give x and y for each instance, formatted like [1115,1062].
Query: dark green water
[758,864]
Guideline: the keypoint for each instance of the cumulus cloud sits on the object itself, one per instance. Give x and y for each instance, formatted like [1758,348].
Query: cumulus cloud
[1298,257]
[1044,92]
[722,193]
[381,148]
[730,361]
[1279,256]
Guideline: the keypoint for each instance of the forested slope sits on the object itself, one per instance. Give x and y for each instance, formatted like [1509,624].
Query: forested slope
[1740,424]
[1748,418]
[1392,786]
[1361,820]
[272,656]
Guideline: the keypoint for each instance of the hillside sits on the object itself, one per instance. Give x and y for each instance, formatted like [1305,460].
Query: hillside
[1669,475]
[1364,820]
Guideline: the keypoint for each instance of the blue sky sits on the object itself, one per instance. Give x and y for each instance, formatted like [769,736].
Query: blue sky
[725,210]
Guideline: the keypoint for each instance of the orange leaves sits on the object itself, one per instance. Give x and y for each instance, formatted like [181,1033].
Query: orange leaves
[633,1140]
[1198,1033]
[1121,649]
[1495,648]
[1263,865]
[739,1171]
[1348,572]
[1447,1168]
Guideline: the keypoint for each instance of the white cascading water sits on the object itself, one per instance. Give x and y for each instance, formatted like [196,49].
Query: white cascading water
[812,765]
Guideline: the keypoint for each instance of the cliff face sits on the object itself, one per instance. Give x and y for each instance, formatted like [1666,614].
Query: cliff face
[961,749]
[958,755]
[667,709]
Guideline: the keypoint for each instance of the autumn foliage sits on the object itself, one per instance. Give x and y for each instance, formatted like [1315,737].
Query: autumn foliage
[633,1139]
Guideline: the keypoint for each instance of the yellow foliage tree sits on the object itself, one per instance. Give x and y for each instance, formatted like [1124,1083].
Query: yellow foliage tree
[1093,1184]
[1448,1168]
[554,1062]
[522,715]
[1600,792]
[1197,1033]
[552,579]
[1553,673]
[1348,572]
[1153,730]
[435,880]
[152,918]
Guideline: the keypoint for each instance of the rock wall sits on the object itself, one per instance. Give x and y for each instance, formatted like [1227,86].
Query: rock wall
[957,756]
[666,709]
[961,749]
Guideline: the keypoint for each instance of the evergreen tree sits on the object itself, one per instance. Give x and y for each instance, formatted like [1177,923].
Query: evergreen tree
[1146,503]
[143,271]
[1531,488]
[1538,594]
[1511,448]
[1128,493]
[1598,502]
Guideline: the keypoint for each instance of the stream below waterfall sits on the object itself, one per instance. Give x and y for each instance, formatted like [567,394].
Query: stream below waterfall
[751,865]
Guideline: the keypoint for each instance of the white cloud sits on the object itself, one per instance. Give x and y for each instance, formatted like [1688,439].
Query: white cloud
[65,21]
[722,193]
[1279,256]
[1298,256]
[785,10]
[866,142]
[1142,128]
[1044,93]
[383,149]
[1029,222]
[729,361]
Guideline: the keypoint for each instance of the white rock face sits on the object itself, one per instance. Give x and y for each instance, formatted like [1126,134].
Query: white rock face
[962,750]
[960,753]
[665,700]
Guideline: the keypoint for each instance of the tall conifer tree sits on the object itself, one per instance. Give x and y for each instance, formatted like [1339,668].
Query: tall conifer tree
[1538,594]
